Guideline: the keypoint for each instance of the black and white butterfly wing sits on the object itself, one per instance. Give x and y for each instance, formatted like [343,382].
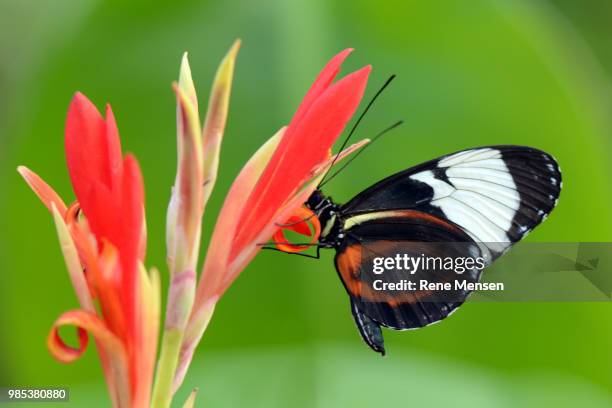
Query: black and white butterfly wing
[491,197]
[496,194]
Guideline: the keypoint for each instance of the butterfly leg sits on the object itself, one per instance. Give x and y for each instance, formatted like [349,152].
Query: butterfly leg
[370,330]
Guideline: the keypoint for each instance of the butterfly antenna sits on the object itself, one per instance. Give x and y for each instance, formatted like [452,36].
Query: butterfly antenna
[375,138]
[348,137]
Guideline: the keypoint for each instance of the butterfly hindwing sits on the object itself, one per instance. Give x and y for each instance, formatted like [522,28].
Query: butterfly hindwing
[386,234]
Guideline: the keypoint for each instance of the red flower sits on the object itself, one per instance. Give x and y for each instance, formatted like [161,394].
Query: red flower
[110,193]
[108,243]
[103,234]
[301,150]
[272,187]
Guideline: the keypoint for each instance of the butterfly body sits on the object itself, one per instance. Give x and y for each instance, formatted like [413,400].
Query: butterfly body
[477,202]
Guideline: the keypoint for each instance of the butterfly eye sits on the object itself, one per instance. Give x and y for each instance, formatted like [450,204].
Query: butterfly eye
[303,222]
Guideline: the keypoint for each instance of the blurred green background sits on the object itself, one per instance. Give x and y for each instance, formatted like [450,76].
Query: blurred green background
[469,73]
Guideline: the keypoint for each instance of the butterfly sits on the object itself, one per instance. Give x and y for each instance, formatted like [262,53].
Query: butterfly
[476,202]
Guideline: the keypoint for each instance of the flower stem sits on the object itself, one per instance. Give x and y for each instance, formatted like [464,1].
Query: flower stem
[180,301]
[168,360]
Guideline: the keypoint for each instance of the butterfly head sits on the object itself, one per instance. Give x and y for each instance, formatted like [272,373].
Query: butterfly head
[316,201]
[324,209]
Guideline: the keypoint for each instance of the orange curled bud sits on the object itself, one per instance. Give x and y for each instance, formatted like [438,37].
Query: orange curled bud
[304,222]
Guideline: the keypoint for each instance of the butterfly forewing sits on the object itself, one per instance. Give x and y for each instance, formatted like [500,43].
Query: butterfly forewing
[496,194]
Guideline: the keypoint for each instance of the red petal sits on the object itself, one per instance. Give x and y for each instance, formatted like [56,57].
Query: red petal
[131,231]
[304,145]
[112,145]
[93,150]
[323,81]
[84,322]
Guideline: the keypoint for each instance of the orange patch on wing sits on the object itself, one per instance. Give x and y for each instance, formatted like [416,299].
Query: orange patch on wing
[348,263]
